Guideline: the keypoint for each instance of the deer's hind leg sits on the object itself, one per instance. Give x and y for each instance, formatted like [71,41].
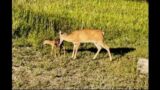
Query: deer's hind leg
[99,49]
[108,50]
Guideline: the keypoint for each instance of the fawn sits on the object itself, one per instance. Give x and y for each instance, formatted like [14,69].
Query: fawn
[55,46]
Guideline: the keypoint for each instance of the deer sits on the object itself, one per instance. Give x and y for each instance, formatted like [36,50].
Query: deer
[55,46]
[85,36]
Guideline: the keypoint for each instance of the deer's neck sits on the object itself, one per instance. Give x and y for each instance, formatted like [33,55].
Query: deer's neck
[68,38]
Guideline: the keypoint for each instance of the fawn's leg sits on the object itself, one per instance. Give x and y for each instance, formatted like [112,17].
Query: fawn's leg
[55,52]
[58,51]
[51,50]
[64,51]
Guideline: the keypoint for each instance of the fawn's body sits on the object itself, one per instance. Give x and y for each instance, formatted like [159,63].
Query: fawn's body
[55,46]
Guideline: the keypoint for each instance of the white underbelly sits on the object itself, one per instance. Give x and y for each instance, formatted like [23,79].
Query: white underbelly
[90,41]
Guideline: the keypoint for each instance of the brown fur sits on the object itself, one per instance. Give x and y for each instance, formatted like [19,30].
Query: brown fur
[85,36]
[55,46]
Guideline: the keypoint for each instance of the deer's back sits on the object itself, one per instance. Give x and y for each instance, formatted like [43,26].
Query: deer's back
[87,35]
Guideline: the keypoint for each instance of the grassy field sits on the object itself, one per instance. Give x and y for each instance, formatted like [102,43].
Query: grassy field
[125,23]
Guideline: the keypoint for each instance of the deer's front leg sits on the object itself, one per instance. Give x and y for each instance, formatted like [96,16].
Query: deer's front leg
[73,50]
[76,50]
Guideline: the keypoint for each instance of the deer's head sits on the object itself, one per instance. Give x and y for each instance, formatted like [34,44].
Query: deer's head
[62,37]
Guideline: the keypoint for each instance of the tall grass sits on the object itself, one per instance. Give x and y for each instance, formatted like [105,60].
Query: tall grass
[125,23]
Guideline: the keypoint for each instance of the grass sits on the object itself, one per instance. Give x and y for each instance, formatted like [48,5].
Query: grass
[35,69]
[124,22]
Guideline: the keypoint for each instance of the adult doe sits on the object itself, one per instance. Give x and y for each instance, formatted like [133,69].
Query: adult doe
[85,36]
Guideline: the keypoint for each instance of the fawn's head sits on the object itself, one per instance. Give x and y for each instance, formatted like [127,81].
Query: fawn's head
[57,41]
[45,42]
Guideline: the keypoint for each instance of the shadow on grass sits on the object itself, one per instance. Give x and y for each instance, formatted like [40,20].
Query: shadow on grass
[122,50]
[114,51]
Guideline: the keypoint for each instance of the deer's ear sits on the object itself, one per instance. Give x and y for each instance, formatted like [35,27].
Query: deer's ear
[60,32]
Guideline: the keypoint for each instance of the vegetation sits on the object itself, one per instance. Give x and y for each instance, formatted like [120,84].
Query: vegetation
[125,23]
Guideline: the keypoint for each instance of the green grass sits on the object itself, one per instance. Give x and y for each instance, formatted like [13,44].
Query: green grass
[124,22]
